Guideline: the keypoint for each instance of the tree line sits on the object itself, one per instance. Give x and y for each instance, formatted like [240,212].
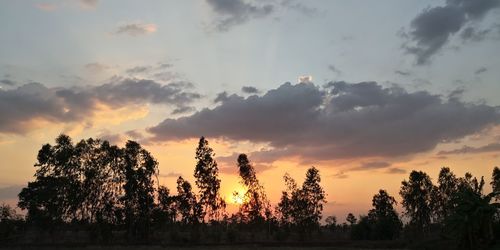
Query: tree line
[108,189]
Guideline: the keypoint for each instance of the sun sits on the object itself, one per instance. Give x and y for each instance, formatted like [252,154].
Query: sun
[238,196]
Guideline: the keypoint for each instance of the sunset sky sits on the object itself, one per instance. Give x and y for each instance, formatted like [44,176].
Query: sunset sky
[366,91]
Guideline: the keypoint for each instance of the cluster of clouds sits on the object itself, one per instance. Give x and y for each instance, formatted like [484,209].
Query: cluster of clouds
[434,26]
[230,13]
[338,121]
[20,106]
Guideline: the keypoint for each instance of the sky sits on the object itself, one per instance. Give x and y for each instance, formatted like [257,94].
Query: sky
[366,91]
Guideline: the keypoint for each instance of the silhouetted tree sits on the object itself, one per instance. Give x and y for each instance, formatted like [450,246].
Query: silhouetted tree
[495,181]
[385,219]
[255,205]
[417,199]
[315,197]
[54,196]
[140,168]
[189,209]
[331,222]
[351,219]
[302,207]
[470,222]
[207,180]
[165,211]
[448,185]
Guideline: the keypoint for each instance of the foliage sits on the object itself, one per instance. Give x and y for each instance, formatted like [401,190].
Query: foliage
[302,207]
[206,173]
[417,194]
[255,206]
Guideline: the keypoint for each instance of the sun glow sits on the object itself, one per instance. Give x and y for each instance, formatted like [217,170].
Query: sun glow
[238,196]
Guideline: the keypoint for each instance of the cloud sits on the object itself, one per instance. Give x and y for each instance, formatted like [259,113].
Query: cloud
[21,106]
[340,175]
[96,67]
[235,12]
[299,7]
[480,70]
[433,27]
[342,120]
[473,34]
[492,147]
[136,29]
[402,73]
[396,171]
[372,165]
[7,82]
[183,110]
[139,69]
[221,97]
[334,69]
[249,90]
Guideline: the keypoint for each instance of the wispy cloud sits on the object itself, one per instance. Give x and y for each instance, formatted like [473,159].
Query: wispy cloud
[136,29]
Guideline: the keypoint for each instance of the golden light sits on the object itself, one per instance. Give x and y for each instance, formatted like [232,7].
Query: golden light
[238,196]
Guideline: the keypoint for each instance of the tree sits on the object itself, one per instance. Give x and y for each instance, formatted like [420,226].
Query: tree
[54,196]
[448,185]
[140,167]
[470,222]
[331,222]
[165,211]
[255,206]
[302,207]
[387,224]
[186,204]
[207,180]
[314,197]
[417,199]
[495,181]
[351,219]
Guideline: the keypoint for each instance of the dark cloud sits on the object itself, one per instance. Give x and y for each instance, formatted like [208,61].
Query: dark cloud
[34,101]
[343,120]
[396,171]
[473,34]
[113,138]
[139,69]
[372,165]
[183,110]
[235,12]
[480,70]
[340,175]
[334,69]
[492,147]
[299,7]
[221,97]
[134,134]
[402,73]
[249,90]
[433,27]
[136,29]
[7,82]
